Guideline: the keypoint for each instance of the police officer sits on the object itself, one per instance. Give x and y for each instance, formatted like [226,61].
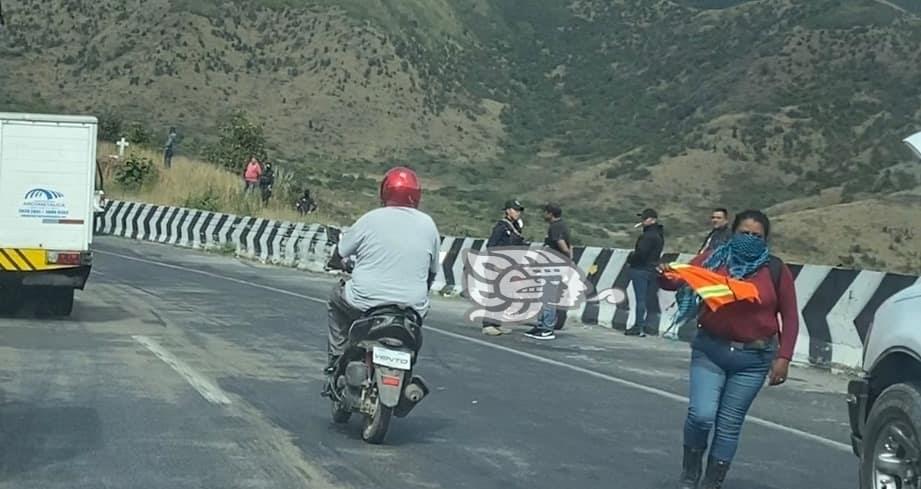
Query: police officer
[506,232]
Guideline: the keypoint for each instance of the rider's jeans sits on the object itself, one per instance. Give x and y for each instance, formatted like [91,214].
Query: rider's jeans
[341,317]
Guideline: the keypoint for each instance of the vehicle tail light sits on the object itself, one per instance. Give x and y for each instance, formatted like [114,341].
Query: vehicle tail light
[67,258]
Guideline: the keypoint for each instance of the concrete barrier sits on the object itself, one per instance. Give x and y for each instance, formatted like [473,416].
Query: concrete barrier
[298,245]
[836,305]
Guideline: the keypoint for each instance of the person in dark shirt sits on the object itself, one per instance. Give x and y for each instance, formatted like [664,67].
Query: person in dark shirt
[720,232]
[305,204]
[559,239]
[266,182]
[506,232]
[736,347]
[643,261]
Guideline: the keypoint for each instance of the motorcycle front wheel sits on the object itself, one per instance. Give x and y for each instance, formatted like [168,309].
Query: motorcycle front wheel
[376,425]
[340,414]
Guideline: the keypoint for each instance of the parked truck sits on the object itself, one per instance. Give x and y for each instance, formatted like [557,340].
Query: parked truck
[884,402]
[48,199]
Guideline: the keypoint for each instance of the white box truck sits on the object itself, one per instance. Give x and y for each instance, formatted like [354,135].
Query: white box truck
[47,197]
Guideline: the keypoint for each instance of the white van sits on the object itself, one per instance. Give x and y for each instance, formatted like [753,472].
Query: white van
[47,201]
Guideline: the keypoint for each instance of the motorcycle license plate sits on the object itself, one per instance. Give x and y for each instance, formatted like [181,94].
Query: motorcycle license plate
[391,358]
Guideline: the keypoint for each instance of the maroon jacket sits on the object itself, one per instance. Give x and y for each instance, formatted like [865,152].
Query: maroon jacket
[748,321]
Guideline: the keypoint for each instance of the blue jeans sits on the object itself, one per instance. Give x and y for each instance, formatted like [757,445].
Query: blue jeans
[642,281]
[723,385]
[547,318]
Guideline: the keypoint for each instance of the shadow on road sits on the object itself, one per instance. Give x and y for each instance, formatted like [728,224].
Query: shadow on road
[34,436]
[88,313]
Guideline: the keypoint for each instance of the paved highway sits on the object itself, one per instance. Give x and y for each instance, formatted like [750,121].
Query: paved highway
[186,370]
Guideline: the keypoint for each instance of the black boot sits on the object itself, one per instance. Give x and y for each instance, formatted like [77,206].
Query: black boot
[716,473]
[691,467]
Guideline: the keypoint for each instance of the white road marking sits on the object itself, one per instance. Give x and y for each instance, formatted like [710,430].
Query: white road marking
[209,391]
[610,378]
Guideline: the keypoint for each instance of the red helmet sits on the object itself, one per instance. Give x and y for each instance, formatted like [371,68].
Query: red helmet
[401,188]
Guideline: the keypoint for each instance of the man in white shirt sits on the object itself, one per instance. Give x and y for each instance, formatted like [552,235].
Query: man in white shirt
[395,251]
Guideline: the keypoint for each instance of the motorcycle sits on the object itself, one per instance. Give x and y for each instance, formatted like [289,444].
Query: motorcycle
[374,375]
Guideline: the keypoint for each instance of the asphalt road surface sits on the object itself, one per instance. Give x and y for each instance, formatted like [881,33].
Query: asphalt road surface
[180,369]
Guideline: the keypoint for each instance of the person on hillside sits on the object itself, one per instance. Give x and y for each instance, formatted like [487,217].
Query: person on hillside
[720,232]
[643,261]
[252,173]
[558,239]
[169,148]
[736,346]
[506,232]
[266,181]
[305,204]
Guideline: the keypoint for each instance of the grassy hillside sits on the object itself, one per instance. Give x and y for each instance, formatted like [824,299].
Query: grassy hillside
[607,106]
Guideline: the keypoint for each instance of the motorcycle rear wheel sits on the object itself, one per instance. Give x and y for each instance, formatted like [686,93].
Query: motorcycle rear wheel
[376,425]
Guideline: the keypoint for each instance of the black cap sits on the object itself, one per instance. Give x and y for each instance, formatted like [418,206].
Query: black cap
[647,213]
[514,204]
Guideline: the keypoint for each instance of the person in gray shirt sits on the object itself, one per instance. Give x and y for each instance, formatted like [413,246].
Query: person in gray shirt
[395,251]
[169,148]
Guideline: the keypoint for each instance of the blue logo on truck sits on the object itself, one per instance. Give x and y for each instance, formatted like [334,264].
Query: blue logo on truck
[43,203]
[41,193]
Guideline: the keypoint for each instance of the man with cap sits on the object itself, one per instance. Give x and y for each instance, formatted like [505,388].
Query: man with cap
[643,261]
[506,232]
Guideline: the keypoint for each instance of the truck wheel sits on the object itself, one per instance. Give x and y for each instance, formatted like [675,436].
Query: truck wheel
[892,445]
[9,301]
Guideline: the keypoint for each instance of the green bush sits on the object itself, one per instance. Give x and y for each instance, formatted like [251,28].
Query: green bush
[135,172]
[110,126]
[239,139]
[208,200]
[138,134]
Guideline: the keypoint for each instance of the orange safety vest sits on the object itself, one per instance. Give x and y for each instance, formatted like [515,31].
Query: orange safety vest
[715,289]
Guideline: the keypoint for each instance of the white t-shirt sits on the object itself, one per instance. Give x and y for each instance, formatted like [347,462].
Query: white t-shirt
[394,248]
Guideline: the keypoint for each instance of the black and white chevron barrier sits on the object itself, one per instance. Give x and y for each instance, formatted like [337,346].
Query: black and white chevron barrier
[299,245]
[836,305]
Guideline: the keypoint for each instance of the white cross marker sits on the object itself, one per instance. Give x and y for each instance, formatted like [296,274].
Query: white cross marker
[121,146]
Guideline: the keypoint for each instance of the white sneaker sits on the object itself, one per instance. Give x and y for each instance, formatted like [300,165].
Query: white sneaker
[492,331]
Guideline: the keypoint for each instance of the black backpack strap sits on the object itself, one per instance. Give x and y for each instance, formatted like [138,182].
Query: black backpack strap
[775,265]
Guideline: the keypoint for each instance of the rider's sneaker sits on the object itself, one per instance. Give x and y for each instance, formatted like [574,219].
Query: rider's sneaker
[540,334]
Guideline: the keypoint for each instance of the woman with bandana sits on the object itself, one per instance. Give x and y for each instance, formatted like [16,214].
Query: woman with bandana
[735,349]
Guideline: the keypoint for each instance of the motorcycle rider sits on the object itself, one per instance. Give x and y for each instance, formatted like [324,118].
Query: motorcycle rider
[395,249]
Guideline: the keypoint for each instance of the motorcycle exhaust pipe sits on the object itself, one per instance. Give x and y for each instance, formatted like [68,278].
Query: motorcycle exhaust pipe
[414,393]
